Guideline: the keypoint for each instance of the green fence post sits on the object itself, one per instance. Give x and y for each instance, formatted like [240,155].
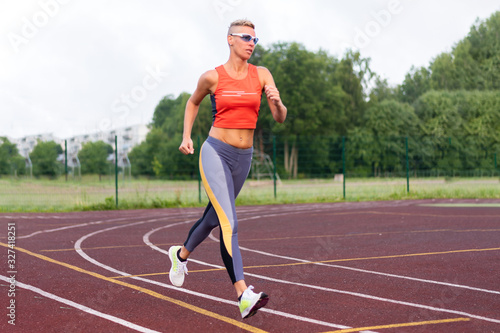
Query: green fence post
[66,159]
[116,170]
[343,163]
[448,153]
[495,162]
[274,165]
[199,174]
[407,168]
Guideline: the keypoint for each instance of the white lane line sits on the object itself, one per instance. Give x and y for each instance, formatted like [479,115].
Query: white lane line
[168,286]
[426,307]
[70,227]
[80,306]
[215,239]
[369,271]
[146,240]
[95,223]
[248,210]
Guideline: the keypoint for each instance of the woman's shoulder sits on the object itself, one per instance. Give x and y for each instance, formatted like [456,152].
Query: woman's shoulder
[210,76]
[263,70]
[211,73]
[265,76]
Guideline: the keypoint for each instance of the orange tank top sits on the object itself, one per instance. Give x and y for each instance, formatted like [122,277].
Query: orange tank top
[236,103]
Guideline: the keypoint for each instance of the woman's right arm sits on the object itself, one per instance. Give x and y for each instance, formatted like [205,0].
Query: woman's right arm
[206,85]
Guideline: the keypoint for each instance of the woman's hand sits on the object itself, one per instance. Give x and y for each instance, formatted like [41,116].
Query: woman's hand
[186,146]
[273,94]
[278,109]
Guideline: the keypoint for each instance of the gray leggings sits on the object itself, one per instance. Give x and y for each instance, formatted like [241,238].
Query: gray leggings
[223,169]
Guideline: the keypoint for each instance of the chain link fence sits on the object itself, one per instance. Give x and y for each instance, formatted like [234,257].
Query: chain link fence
[285,169]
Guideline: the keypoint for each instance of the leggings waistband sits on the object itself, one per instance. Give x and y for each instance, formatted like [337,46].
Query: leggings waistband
[218,144]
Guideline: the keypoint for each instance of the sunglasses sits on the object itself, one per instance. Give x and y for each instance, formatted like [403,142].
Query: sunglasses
[247,38]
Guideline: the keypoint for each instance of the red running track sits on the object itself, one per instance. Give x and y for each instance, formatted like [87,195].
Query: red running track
[405,266]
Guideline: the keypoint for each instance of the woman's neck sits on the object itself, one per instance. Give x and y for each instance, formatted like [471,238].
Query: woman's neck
[237,67]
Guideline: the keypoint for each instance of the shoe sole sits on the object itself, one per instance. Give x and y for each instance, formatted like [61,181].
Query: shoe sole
[264,298]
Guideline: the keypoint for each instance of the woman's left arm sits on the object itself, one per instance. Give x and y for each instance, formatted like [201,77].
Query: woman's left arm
[278,109]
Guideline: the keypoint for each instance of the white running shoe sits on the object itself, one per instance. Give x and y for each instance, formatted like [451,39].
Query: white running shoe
[178,269]
[250,302]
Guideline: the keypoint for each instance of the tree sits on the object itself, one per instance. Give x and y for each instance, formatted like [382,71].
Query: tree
[480,131]
[460,128]
[159,154]
[377,146]
[484,50]
[416,83]
[94,158]
[294,70]
[439,114]
[381,92]
[354,75]
[437,106]
[140,156]
[44,158]
[444,73]
[324,97]
[11,162]
[473,64]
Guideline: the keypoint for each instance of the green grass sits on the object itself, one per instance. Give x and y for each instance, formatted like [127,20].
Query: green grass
[42,195]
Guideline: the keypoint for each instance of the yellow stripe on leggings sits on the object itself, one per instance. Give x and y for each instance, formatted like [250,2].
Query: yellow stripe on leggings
[225,226]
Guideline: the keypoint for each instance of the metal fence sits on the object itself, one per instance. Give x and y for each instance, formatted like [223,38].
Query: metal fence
[408,158]
[284,169]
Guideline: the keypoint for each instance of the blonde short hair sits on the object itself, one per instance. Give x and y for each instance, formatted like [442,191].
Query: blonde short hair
[240,23]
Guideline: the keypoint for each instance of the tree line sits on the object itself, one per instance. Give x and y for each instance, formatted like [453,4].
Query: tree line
[449,110]
[47,159]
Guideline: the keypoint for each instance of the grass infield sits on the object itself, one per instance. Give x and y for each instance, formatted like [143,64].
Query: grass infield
[88,193]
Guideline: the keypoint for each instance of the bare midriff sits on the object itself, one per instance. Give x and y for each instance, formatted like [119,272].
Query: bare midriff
[237,137]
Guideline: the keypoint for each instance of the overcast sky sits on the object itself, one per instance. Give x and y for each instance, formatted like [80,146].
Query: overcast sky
[71,67]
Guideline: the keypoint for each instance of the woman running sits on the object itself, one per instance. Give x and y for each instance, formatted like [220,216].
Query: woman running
[235,90]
